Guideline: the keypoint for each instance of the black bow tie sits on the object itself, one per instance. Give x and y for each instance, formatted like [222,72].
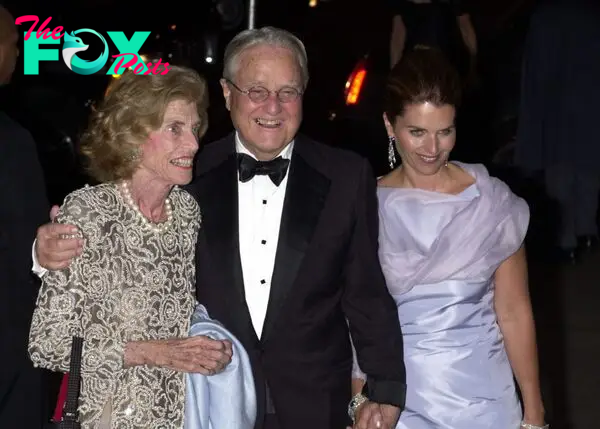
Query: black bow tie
[249,167]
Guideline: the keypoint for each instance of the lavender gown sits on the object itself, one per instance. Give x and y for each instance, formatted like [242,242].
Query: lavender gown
[439,253]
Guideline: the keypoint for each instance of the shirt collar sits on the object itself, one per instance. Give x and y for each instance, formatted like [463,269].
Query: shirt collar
[286,153]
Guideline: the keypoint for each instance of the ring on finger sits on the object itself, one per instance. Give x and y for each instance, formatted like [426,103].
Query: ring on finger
[68,236]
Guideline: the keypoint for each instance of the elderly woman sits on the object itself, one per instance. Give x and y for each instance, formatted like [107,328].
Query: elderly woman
[451,248]
[130,294]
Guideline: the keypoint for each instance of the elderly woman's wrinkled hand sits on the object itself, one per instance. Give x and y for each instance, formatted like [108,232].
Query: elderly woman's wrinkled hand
[197,354]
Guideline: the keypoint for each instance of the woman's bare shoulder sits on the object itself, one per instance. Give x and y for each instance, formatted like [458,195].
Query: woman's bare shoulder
[389,180]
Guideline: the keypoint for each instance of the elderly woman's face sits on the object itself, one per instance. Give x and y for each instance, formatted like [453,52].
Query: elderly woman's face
[425,136]
[265,127]
[169,153]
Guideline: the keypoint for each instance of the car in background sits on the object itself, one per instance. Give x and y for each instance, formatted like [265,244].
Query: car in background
[487,123]
[357,111]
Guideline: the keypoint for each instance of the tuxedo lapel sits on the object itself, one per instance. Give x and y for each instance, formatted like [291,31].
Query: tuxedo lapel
[305,196]
[219,205]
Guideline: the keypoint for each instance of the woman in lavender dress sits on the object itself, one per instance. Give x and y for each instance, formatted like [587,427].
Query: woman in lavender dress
[451,247]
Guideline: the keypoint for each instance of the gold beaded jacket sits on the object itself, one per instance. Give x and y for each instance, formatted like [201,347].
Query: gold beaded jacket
[131,283]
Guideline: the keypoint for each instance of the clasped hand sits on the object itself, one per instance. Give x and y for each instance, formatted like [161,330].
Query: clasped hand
[372,415]
[198,354]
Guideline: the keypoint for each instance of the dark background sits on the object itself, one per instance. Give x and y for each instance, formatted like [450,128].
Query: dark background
[55,104]
[337,34]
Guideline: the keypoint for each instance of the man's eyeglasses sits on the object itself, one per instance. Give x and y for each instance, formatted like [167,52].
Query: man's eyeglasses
[258,94]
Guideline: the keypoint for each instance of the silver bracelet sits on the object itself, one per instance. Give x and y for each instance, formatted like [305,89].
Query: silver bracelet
[357,401]
[530,426]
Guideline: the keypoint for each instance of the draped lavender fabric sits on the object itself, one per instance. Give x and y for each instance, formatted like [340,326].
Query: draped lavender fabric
[439,253]
[226,400]
[471,235]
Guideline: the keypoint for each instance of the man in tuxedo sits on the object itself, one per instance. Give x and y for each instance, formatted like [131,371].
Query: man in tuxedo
[24,208]
[287,254]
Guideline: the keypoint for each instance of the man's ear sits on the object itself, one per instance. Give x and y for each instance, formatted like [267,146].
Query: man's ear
[226,93]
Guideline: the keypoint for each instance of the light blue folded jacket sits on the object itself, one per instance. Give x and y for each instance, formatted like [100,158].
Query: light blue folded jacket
[222,401]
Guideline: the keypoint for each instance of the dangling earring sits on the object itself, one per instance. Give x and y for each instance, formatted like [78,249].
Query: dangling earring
[392,151]
[135,154]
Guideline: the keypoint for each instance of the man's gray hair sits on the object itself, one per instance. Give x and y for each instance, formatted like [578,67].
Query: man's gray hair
[269,36]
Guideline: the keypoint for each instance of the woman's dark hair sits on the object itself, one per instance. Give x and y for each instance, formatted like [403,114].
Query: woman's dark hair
[422,75]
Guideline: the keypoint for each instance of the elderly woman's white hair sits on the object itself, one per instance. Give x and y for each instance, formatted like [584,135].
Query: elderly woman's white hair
[269,36]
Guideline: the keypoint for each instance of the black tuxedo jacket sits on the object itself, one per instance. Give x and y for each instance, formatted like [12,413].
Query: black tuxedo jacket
[326,276]
[24,208]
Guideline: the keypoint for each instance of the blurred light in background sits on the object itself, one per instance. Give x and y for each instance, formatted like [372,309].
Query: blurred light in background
[355,82]
[210,47]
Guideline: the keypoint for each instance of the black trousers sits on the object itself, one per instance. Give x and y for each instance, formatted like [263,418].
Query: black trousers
[576,193]
[271,422]
[22,399]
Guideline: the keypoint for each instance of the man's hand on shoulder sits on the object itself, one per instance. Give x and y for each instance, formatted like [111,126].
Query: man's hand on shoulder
[57,244]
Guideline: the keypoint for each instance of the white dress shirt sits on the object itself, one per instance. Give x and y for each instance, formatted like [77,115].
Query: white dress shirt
[37,269]
[260,206]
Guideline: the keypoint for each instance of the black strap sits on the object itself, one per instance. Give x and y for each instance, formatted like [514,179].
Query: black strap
[72,402]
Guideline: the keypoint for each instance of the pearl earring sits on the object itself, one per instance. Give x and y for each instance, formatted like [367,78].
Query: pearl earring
[135,154]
